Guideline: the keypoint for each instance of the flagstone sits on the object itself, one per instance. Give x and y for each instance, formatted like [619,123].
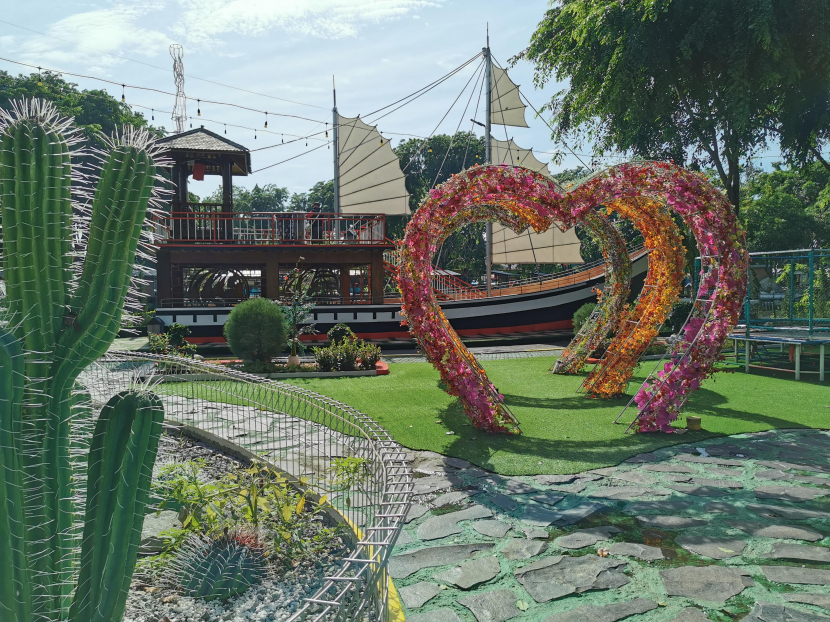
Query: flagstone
[557,576]
[471,572]
[716,548]
[794,574]
[604,613]
[586,537]
[640,551]
[447,524]
[706,583]
[418,594]
[496,606]
[405,564]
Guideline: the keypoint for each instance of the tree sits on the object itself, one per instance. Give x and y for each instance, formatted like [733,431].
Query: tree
[787,208]
[697,81]
[268,198]
[95,111]
[430,162]
[322,192]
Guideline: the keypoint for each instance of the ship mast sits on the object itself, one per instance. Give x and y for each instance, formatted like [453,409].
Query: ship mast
[335,129]
[488,259]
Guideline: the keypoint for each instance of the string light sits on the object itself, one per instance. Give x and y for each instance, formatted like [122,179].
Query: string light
[282,139]
[254,134]
[39,81]
[153,113]
[266,119]
[327,130]
[226,127]
[123,97]
[199,107]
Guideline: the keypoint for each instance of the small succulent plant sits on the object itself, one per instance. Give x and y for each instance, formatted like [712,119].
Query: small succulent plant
[219,568]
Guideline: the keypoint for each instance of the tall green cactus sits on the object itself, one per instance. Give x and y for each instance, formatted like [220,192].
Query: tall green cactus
[62,315]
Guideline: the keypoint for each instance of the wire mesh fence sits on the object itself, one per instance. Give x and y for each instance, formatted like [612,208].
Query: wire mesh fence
[789,290]
[306,435]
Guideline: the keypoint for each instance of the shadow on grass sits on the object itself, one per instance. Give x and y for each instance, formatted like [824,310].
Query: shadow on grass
[480,448]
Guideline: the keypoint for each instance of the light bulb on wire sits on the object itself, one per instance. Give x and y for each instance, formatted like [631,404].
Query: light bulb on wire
[199,107]
[123,97]
[266,120]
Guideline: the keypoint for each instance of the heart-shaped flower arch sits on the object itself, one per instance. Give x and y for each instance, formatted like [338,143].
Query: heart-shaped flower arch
[519,198]
[612,306]
[637,329]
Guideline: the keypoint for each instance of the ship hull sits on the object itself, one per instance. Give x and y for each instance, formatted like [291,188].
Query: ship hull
[511,315]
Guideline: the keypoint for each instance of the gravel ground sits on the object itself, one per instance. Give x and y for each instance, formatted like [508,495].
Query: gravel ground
[275,599]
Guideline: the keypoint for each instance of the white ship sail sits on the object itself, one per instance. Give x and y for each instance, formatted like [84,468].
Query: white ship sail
[370,177]
[552,246]
[506,107]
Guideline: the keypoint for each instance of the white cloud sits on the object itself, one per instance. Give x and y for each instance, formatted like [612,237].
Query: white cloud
[205,21]
[84,36]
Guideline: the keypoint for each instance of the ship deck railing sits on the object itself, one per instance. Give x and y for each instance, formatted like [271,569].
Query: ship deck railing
[209,226]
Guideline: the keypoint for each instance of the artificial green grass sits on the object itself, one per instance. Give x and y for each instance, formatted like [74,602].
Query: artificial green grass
[562,431]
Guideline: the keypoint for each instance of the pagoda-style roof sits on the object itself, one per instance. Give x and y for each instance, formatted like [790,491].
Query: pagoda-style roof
[204,145]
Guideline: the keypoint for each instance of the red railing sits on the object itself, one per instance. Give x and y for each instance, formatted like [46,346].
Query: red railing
[269,228]
[449,287]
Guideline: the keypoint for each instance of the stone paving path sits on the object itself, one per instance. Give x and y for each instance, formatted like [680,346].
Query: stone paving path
[729,528]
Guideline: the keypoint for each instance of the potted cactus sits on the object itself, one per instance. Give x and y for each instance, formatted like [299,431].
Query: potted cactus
[73,489]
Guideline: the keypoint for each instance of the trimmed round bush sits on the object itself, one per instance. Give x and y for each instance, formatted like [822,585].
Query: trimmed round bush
[255,330]
[582,314]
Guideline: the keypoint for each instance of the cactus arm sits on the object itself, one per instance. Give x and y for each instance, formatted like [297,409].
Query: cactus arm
[118,211]
[35,191]
[15,583]
[121,458]
[35,195]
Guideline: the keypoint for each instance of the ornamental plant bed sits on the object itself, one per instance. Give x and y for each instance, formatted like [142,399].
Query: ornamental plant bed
[298,371]
[242,536]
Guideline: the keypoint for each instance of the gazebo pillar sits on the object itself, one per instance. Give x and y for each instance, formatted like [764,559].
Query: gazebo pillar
[376,274]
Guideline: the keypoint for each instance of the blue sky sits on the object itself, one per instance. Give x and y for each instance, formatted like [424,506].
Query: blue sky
[378,51]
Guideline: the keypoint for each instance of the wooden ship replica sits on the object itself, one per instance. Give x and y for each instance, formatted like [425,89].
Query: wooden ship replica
[210,257]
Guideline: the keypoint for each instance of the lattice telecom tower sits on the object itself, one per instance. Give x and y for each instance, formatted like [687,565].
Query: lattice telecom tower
[180,109]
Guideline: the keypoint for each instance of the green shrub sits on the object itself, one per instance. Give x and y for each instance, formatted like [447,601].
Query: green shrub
[582,314]
[369,355]
[339,333]
[348,353]
[173,341]
[326,358]
[255,330]
[344,355]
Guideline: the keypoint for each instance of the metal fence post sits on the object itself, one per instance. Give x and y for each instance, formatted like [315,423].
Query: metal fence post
[811,275]
[792,287]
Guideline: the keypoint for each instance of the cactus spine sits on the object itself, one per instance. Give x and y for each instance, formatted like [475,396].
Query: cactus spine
[59,320]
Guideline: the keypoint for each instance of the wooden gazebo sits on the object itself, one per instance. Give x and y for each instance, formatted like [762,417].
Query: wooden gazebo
[210,255]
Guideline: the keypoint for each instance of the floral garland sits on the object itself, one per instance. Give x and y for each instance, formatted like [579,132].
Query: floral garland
[519,198]
[660,291]
[515,197]
[611,311]
[721,241]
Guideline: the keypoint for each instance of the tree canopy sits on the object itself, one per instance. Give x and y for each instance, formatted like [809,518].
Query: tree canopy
[94,110]
[700,82]
[433,161]
[268,198]
[322,192]
[787,208]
